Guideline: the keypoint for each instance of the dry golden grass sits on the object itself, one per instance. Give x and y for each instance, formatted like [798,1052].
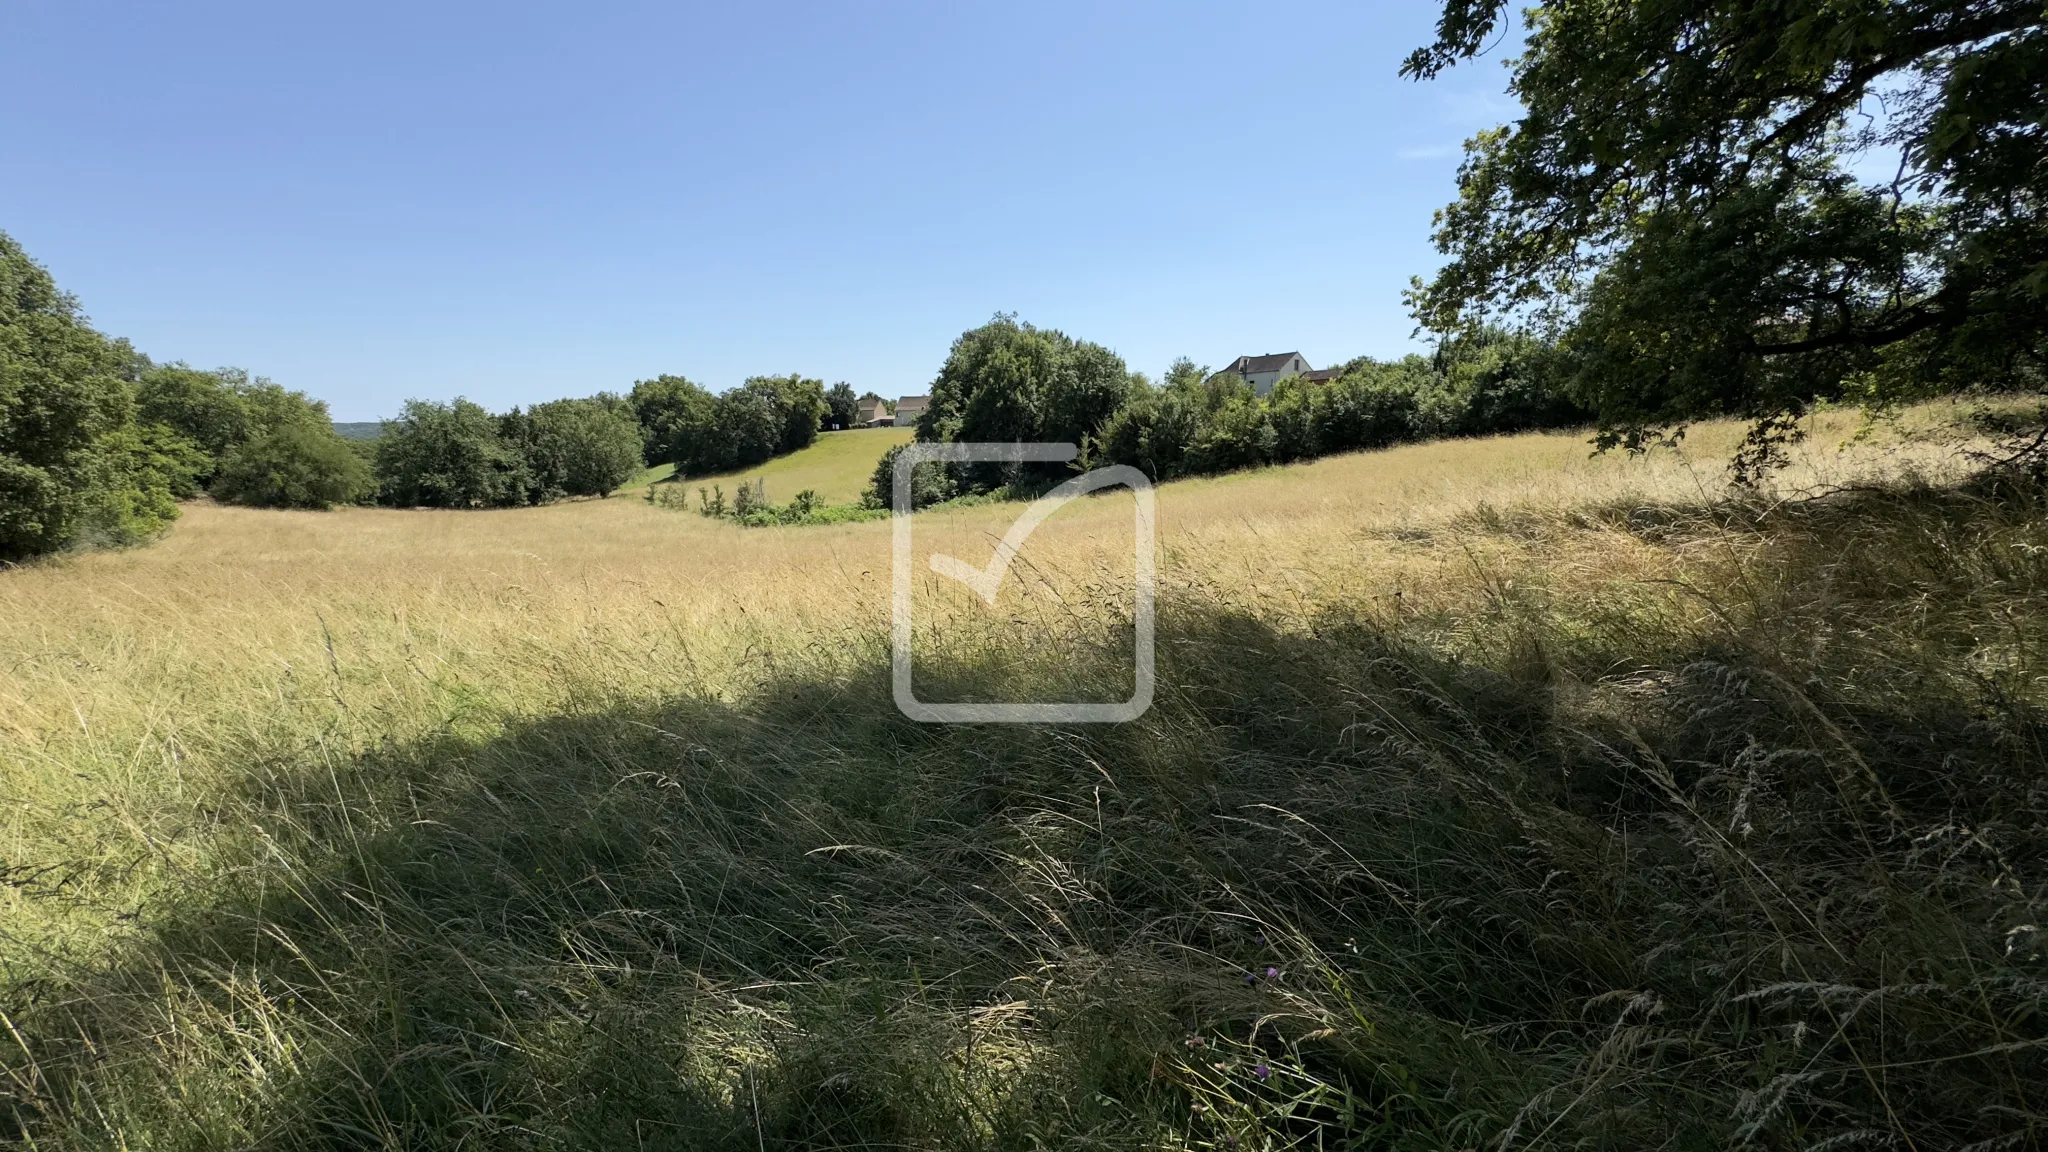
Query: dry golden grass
[233,612]
[150,694]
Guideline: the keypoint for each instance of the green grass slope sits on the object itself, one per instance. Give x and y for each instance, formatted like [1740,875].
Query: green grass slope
[837,467]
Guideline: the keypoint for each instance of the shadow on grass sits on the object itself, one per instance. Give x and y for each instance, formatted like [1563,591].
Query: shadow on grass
[1337,886]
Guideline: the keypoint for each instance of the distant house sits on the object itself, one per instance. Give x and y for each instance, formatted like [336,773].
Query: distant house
[1262,372]
[909,409]
[874,414]
[1322,375]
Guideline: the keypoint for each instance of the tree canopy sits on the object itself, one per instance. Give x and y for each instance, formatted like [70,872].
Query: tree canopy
[74,463]
[448,456]
[1008,381]
[1680,203]
[842,407]
[581,447]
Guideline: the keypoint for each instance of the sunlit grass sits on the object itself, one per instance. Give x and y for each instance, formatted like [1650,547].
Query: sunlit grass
[1560,794]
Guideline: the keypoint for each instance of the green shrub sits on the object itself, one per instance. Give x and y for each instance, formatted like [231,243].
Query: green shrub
[74,467]
[580,447]
[296,465]
[1007,381]
[675,418]
[448,456]
[930,482]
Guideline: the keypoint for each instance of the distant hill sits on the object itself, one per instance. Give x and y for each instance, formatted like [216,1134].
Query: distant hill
[359,430]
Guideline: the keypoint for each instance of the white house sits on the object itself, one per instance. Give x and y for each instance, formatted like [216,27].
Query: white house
[909,409]
[1262,372]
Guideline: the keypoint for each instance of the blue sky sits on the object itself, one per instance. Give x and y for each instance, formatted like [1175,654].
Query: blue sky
[517,202]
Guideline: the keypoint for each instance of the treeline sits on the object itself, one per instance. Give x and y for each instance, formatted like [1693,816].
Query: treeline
[98,443]
[684,424]
[1009,381]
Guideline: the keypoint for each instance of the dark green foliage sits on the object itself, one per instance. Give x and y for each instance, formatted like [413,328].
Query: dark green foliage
[201,406]
[1488,383]
[930,482]
[1007,382]
[842,407]
[580,448]
[675,422]
[1675,205]
[74,466]
[801,404]
[448,456]
[217,415]
[684,425]
[184,465]
[295,465]
[747,427]
[1372,405]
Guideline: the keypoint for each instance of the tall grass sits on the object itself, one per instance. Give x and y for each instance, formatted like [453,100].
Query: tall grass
[1493,797]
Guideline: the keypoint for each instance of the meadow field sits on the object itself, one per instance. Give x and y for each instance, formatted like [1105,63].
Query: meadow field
[1495,795]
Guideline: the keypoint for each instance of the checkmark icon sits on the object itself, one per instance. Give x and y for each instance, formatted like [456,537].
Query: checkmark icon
[987,582]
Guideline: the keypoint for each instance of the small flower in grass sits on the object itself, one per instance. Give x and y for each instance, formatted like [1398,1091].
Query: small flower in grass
[1261,1070]
[1251,978]
[1272,973]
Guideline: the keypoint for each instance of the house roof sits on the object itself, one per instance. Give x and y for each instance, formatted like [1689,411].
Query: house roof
[1322,375]
[1271,362]
[913,403]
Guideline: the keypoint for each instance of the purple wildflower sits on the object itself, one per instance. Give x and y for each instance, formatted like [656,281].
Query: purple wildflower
[1261,1070]
[1272,973]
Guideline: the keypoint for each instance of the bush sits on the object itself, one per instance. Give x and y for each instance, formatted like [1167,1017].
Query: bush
[294,466]
[842,407]
[1007,381]
[200,406]
[448,456]
[1369,407]
[580,448]
[74,465]
[746,428]
[930,482]
[675,418]
[218,412]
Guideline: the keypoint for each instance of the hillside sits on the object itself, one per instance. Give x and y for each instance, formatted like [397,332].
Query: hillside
[838,466]
[359,430]
[1494,794]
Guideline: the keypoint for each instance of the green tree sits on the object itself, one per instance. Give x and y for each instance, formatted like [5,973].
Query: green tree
[676,419]
[582,447]
[1676,204]
[201,406]
[74,465]
[842,407]
[448,456]
[217,413]
[294,465]
[1007,382]
[748,424]
[800,405]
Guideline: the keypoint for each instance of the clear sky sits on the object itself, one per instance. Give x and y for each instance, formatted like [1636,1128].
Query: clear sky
[515,202]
